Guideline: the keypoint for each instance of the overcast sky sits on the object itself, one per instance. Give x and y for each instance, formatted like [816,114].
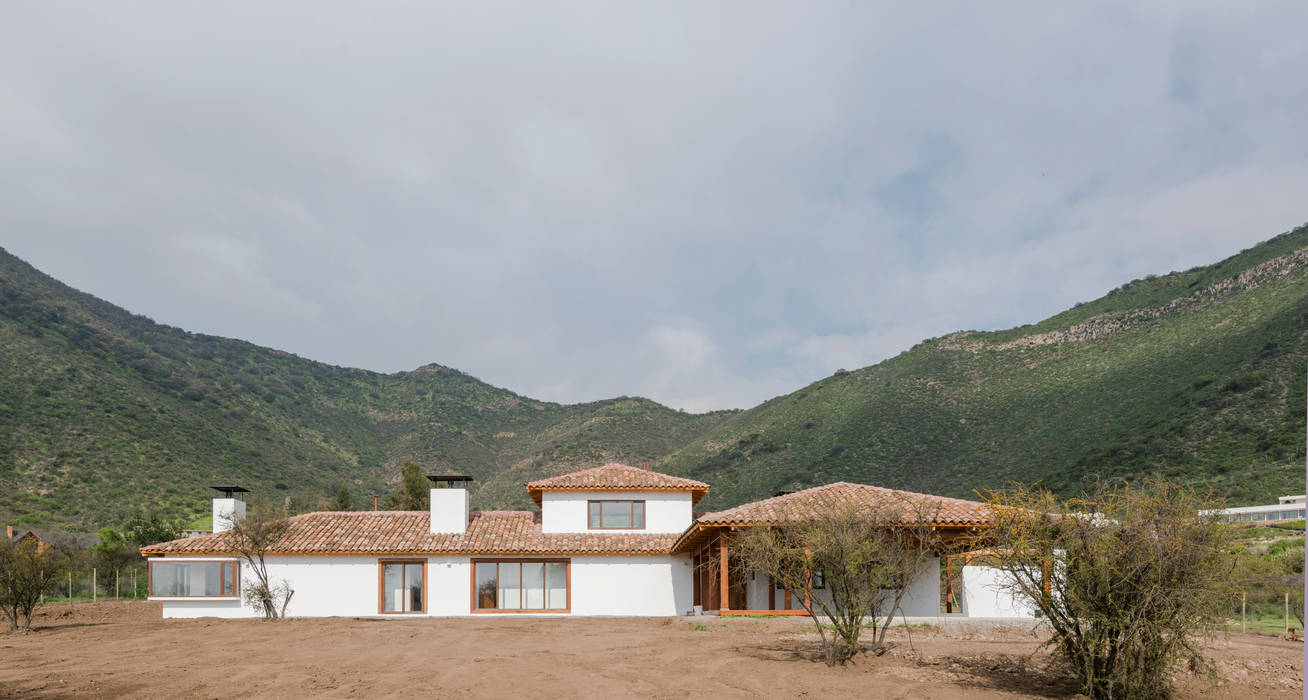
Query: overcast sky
[706,203]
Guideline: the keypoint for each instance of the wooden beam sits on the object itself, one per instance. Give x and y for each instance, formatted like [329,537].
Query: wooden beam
[772,594]
[763,612]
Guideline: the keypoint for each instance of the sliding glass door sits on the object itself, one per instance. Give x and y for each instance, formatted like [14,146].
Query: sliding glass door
[509,585]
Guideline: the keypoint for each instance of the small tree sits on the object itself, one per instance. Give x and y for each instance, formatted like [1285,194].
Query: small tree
[262,530]
[151,529]
[343,499]
[413,491]
[113,552]
[27,567]
[1128,578]
[865,554]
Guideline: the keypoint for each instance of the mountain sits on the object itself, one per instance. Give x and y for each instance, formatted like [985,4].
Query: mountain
[105,415]
[1196,375]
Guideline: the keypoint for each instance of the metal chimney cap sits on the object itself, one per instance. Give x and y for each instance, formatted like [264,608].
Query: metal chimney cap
[437,479]
[229,490]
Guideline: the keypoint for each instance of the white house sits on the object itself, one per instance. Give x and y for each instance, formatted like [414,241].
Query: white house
[613,540]
[1287,508]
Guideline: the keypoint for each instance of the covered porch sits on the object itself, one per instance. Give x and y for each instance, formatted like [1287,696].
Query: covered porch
[726,587]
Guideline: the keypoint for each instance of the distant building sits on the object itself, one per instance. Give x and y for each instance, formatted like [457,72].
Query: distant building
[1287,508]
[47,537]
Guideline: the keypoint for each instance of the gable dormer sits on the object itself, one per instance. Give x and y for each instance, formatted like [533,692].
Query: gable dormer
[616,498]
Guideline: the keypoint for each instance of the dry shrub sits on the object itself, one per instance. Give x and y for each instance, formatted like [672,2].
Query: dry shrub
[27,567]
[262,530]
[866,554]
[1129,578]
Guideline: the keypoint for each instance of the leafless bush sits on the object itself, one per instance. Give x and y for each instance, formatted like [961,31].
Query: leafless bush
[866,555]
[262,530]
[27,567]
[1128,578]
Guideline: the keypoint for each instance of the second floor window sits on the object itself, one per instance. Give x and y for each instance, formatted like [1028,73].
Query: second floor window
[617,515]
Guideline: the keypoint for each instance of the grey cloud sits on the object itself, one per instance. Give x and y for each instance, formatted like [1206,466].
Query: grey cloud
[705,204]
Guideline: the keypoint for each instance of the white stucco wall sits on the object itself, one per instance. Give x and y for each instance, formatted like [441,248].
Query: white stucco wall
[449,510]
[225,512]
[324,586]
[631,585]
[986,594]
[567,511]
[347,586]
[921,600]
[756,593]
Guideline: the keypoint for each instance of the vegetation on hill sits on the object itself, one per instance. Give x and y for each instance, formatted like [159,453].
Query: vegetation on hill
[106,415]
[1195,375]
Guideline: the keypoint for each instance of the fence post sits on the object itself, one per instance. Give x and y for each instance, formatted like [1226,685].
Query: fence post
[1287,614]
[1244,597]
[93,583]
[70,586]
[133,584]
[115,584]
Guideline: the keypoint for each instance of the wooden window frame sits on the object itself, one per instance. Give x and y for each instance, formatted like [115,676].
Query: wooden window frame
[235,571]
[644,513]
[381,587]
[472,584]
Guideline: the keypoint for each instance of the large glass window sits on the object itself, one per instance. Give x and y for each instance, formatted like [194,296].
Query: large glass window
[402,586]
[195,579]
[520,585]
[617,515]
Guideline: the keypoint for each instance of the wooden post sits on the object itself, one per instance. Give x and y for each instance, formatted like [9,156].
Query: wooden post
[1244,599]
[772,594]
[115,584]
[808,580]
[93,583]
[1287,614]
[949,585]
[70,587]
[133,584]
[723,588]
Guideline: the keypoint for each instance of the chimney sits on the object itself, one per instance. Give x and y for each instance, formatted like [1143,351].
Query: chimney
[228,509]
[645,465]
[449,503]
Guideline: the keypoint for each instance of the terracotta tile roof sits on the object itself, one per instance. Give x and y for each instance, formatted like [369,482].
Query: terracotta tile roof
[383,532]
[617,477]
[800,505]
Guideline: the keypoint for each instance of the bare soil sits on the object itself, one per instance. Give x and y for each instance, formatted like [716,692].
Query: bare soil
[111,649]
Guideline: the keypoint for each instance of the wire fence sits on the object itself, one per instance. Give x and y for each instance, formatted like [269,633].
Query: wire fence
[94,583]
[1268,614]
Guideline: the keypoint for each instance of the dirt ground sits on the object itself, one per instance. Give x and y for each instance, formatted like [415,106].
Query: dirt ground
[125,649]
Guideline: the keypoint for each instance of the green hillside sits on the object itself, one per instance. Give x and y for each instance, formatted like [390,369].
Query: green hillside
[105,415]
[1198,375]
